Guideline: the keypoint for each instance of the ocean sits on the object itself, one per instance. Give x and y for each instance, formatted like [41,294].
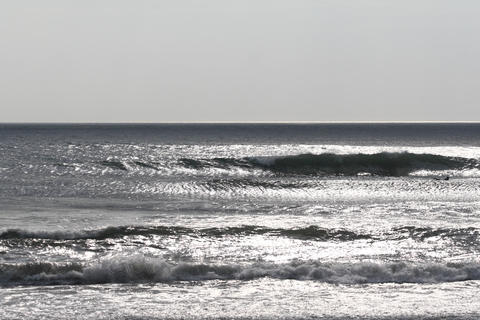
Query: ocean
[240,221]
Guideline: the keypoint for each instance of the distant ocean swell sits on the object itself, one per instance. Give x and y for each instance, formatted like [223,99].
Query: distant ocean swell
[140,269]
[325,164]
[469,235]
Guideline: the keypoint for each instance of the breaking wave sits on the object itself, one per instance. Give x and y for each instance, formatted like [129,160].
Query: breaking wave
[381,164]
[140,269]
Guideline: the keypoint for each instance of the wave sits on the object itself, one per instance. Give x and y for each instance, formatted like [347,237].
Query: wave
[101,234]
[310,232]
[115,165]
[140,269]
[468,236]
[381,164]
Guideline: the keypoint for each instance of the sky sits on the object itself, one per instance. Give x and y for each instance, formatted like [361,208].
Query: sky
[242,60]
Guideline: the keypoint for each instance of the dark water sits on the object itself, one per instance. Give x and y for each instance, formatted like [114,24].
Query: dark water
[265,221]
[405,134]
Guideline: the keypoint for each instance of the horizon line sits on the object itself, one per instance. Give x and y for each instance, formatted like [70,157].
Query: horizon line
[246,122]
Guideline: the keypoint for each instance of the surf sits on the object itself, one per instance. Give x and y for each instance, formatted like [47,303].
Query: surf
[141,269]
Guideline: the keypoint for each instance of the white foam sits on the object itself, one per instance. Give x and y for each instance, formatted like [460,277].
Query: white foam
[143,269]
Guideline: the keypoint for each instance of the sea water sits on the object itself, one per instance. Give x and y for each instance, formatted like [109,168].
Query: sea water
[240,221]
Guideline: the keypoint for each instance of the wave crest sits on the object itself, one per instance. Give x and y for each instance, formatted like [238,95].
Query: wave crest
[383,164]
[310,232]
[142,269]
[460,236]
[323,164]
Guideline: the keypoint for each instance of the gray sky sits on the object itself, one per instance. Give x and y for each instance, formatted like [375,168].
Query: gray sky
[239,60]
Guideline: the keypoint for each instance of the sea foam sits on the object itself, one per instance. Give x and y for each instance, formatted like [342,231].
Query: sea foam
[139,269]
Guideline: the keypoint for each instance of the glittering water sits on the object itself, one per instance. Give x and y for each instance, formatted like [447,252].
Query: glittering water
[329,221]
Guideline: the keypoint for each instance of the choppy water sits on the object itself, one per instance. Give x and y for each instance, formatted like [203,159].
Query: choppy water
[279,221]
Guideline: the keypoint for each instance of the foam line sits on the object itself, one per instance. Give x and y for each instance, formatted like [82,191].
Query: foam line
[139,269]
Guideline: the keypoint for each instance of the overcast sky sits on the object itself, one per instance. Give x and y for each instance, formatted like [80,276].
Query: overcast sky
[242,60]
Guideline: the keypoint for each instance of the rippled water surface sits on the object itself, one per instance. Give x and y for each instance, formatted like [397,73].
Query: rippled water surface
[278,221]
